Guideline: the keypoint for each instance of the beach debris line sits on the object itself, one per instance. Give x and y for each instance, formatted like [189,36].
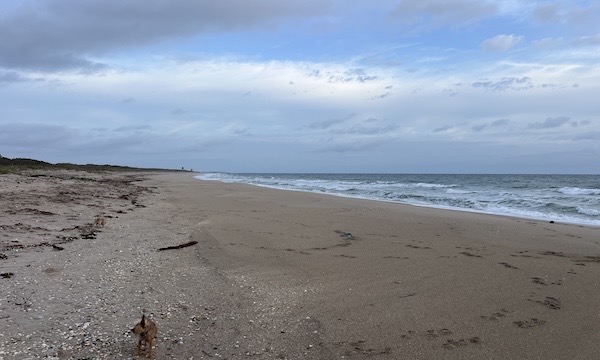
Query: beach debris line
[345,235]
[24,300]
[180,246]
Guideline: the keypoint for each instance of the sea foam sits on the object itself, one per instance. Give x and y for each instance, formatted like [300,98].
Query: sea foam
[561,198]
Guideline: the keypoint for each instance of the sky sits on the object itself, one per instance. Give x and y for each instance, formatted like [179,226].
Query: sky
[376,86]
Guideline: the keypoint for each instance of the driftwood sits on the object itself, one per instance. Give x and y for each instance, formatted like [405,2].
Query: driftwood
[180,246]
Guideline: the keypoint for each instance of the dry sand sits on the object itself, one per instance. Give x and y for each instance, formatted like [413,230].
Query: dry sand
[280,274]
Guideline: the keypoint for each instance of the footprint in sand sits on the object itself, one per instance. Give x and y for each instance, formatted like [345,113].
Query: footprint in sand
[429,334]
[452,344]
[524,254]
[540,281]
[495,316]
[549,302]
[432,334]
[553,253]
[524,324]
[466,253]
[417,247]
[359,348]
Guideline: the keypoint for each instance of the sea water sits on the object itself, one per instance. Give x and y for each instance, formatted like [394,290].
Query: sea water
[561,198]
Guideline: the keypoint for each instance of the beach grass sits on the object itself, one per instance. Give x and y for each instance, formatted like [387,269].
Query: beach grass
[16,165]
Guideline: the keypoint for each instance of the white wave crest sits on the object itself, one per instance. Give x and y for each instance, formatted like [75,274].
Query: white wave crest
[589,212]
[578,191]
[433,186]
[457,191]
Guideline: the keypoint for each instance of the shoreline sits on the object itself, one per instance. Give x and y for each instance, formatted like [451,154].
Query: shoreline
[289,275]
[556,219]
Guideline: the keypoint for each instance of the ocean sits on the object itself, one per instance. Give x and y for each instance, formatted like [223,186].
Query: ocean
[571,199]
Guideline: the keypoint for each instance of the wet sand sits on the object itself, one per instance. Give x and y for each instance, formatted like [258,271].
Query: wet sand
[281,274]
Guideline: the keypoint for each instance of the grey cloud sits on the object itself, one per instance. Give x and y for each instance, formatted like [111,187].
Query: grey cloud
[434,13]
[500,122]
[510,83]
[353,146]
[547,42]
[315,73]
[547,12]
[568,12]
[350,75]
[131,141]
[241,131]
[496,123]
[369,126]
[14,77]
[11,76]
[594,135]
[584,16]
[443,129]
[366,78]
[359,75]
[382,96]
[133,127]
[76,145]
[450,92]
[553,86]
[65,34]
[550,123]
[593,40]
[33,135]
[357,71]
[329,123]
[178,111]
[362,129]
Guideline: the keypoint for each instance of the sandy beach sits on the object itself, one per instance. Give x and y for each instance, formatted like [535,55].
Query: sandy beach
[282,274]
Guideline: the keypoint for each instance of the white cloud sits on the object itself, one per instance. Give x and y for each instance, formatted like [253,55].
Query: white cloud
[501,42]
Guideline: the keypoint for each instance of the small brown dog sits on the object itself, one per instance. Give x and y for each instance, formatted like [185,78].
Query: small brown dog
[146,332]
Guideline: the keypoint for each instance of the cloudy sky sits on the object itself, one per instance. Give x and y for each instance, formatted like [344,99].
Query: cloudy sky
[426,86]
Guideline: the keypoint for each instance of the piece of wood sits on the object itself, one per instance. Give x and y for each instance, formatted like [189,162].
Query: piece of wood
[180,246]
